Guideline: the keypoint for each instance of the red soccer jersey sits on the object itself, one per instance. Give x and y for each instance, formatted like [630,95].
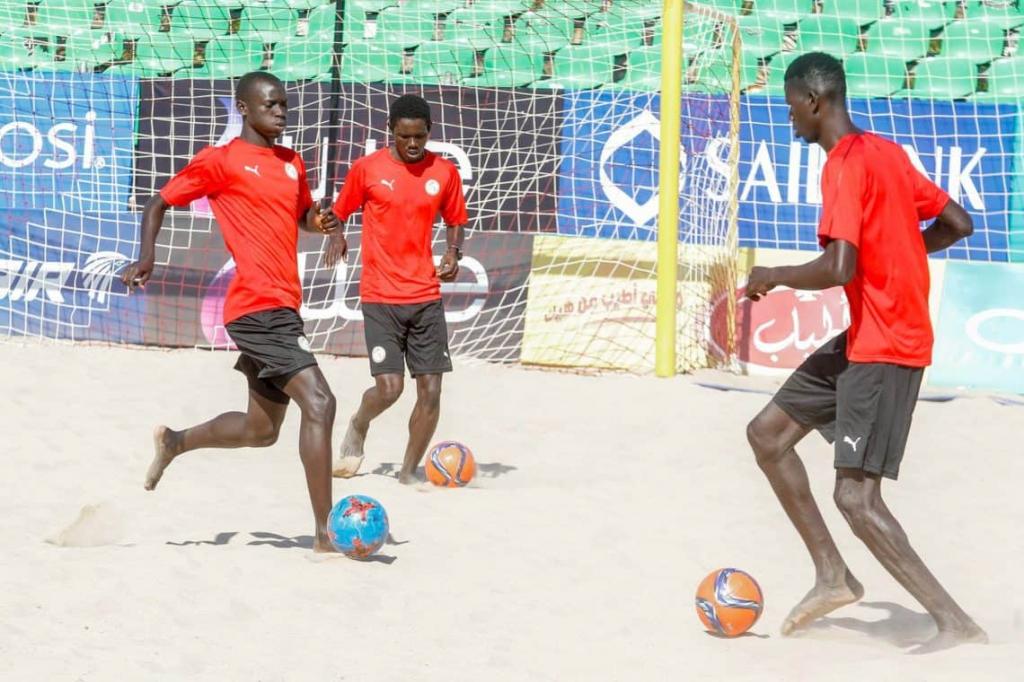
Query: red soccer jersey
[874,198]
[400,202]
[258,194]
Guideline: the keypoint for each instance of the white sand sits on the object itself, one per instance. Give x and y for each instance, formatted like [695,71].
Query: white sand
[574,555]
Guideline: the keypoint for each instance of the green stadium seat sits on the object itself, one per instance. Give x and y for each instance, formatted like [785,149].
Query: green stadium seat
[934,13]
[15,53]
[132,18]
[320,25]
[230,57]
[580,67]
[302,59]
[434,6]
[699,34]
[300,5]
[160,53]
[363,62]
[65,17]
[944,78]
[1005,81]
[734,7]
[479,26]
[626,30]
[355,23]
[200,19]
[507,66]
[835,35]
[575,9]
[714,71]
[410,27]
[442,63]
[908,39]
[85,51]
[12,14]
[643,69]
[973,41]
[787,11]
[1005,17]
[761,36]
[268,23]
[873,75]
[776,67]
[863,12]
[544,32]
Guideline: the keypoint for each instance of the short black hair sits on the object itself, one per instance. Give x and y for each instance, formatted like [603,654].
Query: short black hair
[250,80]
[820,72]
[409,106]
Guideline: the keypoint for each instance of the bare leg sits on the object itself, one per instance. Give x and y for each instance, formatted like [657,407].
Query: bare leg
[772,435]
[385,391]
[859,497]
[311,393]
[422,424]
[257,427]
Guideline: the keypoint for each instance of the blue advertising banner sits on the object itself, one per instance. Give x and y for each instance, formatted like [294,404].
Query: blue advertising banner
[59,276]
[66,141]
[607,180]
[979,338]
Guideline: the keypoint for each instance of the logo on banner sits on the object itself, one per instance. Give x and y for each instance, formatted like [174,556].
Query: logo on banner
[61,146]
[51,281]
[786,326]
[643,125]
[99,273]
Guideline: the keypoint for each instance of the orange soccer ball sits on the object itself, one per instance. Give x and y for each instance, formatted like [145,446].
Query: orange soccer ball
[450,465]
[729,602]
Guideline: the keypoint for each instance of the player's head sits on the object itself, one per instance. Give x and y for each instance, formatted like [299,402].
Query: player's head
[409,123]
[815,87]
[263,103]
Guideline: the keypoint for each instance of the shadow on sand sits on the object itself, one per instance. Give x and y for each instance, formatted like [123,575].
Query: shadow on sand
[902,627]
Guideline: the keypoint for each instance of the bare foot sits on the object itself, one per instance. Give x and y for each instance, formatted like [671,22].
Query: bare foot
[947,639]
[820,600]
[407,479]
[351,457]
[165,449]
[323,546]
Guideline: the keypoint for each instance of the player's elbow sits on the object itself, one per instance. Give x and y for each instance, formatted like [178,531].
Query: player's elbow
[957,220]
[156,204]
[965,227]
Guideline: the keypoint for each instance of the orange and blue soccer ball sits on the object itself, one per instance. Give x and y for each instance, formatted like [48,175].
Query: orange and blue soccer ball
[450,465]
[729,602]
[357,526]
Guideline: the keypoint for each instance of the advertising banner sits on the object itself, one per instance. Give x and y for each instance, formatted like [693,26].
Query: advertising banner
[608,176]
[59,276]
[979,337]
[66,140]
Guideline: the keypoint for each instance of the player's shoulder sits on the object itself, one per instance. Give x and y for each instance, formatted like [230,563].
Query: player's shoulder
[211,153]
[370,160]
[444,165]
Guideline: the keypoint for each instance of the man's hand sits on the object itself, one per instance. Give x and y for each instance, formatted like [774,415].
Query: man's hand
[337,250]
[760,282]
[321,218]
[449,268]
[137,274]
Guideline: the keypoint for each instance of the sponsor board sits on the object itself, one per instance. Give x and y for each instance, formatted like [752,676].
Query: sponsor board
[980,331]
[59,276]
[608,177]
[66,141]
[592,303]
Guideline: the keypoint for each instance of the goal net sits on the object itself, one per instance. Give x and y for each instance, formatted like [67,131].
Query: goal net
[550,110]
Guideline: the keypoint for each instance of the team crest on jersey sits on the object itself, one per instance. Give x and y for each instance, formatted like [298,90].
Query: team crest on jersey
[432,187]
[291,171]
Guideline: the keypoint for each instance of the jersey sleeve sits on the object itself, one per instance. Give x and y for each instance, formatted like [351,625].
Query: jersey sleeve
[929,198]
[203,176]
[353,192]
[453,206]
[844,194]
[305,196]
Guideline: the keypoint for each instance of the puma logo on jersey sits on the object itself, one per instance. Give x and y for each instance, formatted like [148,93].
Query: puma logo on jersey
[255,170]
[390,184]
[851,442]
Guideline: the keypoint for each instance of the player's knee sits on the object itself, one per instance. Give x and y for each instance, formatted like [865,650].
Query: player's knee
[263,435]
[853,505]
[762,441]
[390,391]
[320,403]
[429,394]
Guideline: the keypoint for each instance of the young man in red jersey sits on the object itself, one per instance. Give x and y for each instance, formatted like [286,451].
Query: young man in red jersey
[260,198]
[401,189]
[859,390]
